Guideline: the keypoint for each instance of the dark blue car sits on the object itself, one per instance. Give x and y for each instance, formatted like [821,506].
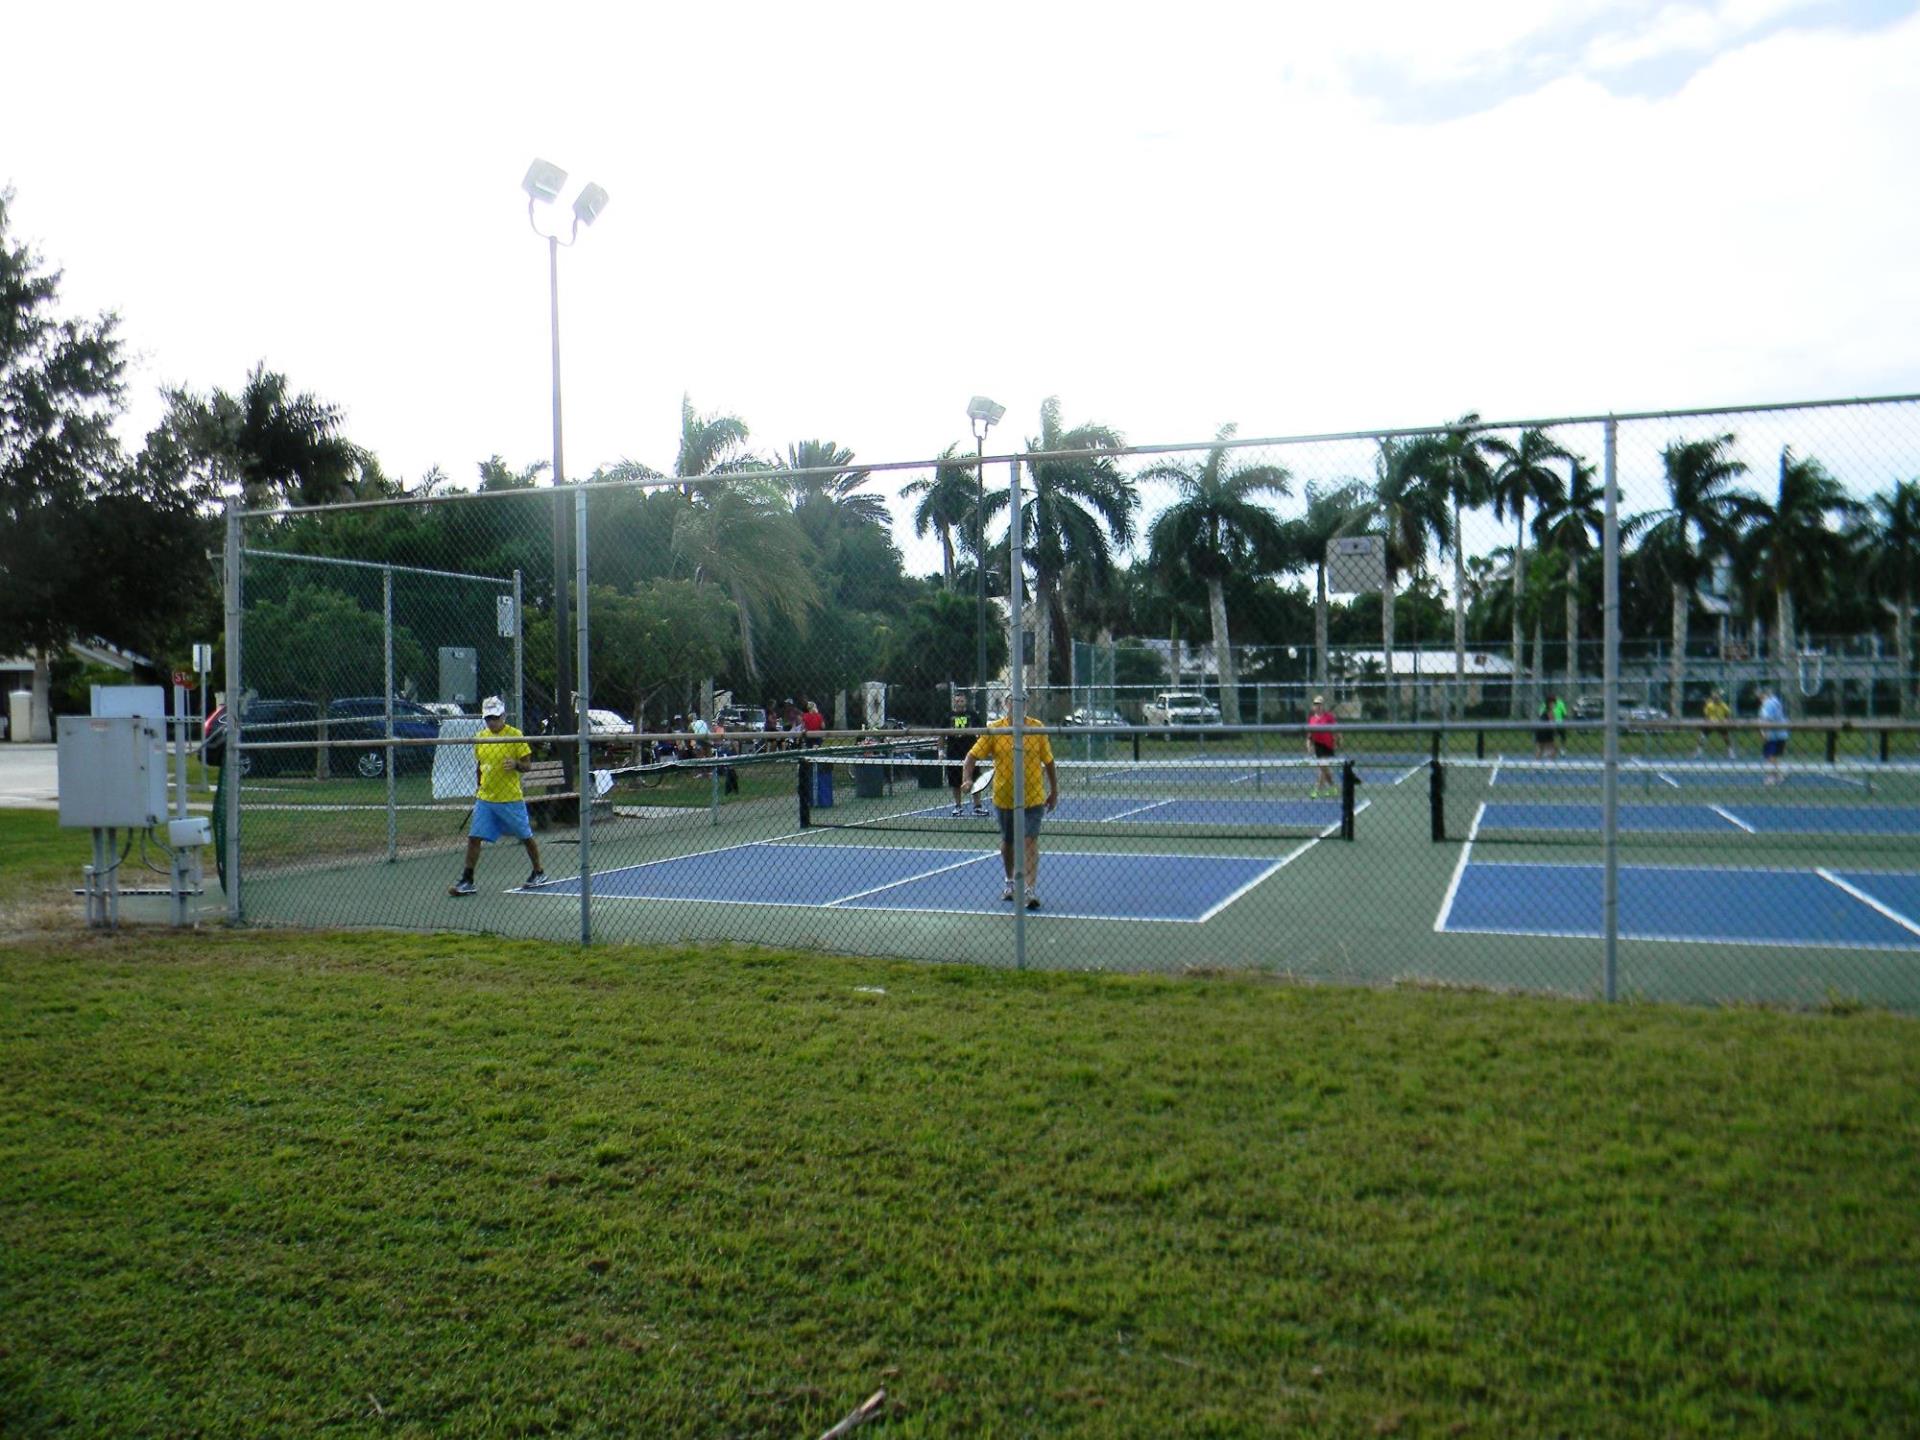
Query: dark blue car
[363,717]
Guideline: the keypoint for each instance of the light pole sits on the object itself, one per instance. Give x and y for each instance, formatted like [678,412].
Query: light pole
[543,184]
[984,415]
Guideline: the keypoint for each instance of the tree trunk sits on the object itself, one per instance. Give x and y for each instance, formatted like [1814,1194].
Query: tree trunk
[1539,661]
[1903,644]
[1223,652]
[946,554]
[1677,662]
[1783,651]
[1519,588]
[1386,646]
[746,634]
[1573,628]
[1320,667]
[1042,622]
[39,710]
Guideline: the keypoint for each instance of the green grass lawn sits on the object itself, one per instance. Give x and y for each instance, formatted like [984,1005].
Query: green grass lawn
[263,1184]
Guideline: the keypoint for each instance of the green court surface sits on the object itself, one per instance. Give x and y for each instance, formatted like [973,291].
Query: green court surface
[1274,890]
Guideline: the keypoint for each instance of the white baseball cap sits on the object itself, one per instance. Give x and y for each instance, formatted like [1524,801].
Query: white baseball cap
[493,705]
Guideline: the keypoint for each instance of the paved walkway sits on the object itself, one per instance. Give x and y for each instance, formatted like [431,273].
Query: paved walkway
[29,776]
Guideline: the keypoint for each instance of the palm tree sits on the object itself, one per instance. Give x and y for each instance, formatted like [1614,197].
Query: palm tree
[1217,526]
[1462,455]
[709,445]
[1080,509]
[1523,475]
[1573,522]
[1888,541]
[1332,511]
[1702,502]
[1410,505]
[946,506]
[838,494]
[742,537]
[1795,544]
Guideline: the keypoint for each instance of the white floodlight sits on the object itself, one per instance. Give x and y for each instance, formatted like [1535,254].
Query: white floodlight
[589,203]
[981,409]
[544,181]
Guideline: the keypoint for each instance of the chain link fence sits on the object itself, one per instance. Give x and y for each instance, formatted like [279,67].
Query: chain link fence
[755,726]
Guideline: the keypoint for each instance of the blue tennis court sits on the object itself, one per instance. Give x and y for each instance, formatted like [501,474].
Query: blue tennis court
[1821,907]
[1188,889]
[1682,818]
[1293,773]
[1250,812]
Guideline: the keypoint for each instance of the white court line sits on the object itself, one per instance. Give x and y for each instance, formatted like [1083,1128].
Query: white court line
[1408,775]
[1667,779]
[1904,922]
[1284,861]
[1459,870]
[912,879]
[1493,775]
[1731,818]
[1636,936]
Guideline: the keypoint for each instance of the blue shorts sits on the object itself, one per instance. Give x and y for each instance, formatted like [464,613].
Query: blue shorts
[1034,815]
[493,819]
[1773,749]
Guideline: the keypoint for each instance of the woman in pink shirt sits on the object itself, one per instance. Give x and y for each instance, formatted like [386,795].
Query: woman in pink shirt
[1321,744]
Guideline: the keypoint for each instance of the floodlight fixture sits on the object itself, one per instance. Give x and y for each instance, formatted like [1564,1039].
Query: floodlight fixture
[588,204]
[545,181]
[983,411]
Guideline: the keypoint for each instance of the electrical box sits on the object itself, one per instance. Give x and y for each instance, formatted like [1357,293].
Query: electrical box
[113,772]
[459,674]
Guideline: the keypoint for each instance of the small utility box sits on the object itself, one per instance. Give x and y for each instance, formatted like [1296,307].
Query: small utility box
[113,772]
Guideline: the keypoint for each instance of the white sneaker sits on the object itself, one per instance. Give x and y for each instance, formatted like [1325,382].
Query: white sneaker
[461,887]
[538,877]
[1007,893]
[955,812]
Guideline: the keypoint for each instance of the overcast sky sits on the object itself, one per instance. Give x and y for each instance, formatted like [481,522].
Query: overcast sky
[841,221]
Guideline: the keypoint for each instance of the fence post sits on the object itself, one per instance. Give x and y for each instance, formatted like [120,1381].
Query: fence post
[1610,773]
[584,774]
[519,661]
[230,752]
[1017,720]
[386,707]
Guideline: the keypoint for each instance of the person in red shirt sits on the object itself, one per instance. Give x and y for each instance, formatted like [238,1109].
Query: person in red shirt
[812,722]
[1321,745]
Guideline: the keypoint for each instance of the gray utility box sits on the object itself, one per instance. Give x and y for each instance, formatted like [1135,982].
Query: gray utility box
[113,772]
[459,674]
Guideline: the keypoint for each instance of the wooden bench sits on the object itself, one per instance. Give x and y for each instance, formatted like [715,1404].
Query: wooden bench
[541,785]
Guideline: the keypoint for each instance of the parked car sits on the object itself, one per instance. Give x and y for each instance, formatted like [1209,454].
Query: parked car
[608,723]
[742,717]
[274,720]
[364,717]
[1095,715]
[1181,707]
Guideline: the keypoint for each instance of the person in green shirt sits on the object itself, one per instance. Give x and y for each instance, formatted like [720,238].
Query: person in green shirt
[500,758]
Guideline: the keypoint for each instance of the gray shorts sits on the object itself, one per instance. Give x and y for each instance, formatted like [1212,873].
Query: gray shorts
[1035,813]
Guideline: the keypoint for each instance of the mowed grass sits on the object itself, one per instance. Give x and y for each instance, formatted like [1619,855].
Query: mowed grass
[263,1184]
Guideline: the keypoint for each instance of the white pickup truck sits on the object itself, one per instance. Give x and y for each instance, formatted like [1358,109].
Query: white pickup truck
[1180,707]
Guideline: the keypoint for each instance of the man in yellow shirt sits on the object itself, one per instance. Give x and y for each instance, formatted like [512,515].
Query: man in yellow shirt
[1717,713]
[998,748]
[499,805]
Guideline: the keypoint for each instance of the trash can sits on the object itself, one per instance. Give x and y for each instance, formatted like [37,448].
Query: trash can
[822,786]
[870,780]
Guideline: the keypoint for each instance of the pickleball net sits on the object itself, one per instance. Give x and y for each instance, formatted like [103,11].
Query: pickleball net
[1192,798]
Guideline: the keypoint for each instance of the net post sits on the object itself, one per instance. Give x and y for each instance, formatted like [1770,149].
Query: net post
[1885,735]
[1437,798]
[1433,749]
[805,771]
[1347,787]
[1833,746]
[1479,744]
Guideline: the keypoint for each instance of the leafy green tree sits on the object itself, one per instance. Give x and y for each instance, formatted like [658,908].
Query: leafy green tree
[1216,527]
[1080,509]
[741,536]
[1333,510]
[1571,522]
[1525,475]
[828,503]
[1410,506]
[663,638]
[946,507]
[1887,543]
[1795,544]
[268,445]
[1701,519]
[709,444]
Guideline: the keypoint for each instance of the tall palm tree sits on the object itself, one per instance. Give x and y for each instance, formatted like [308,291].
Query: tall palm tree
[837,494]
[1795,543]
[1573,522]
[1080,510]
[709,444]
[1887,539]
[1340,508]
[1410,507]
[1523,475]
[946,506]
[1701,519]
[1468,476]
[742,537]
[1218,525]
